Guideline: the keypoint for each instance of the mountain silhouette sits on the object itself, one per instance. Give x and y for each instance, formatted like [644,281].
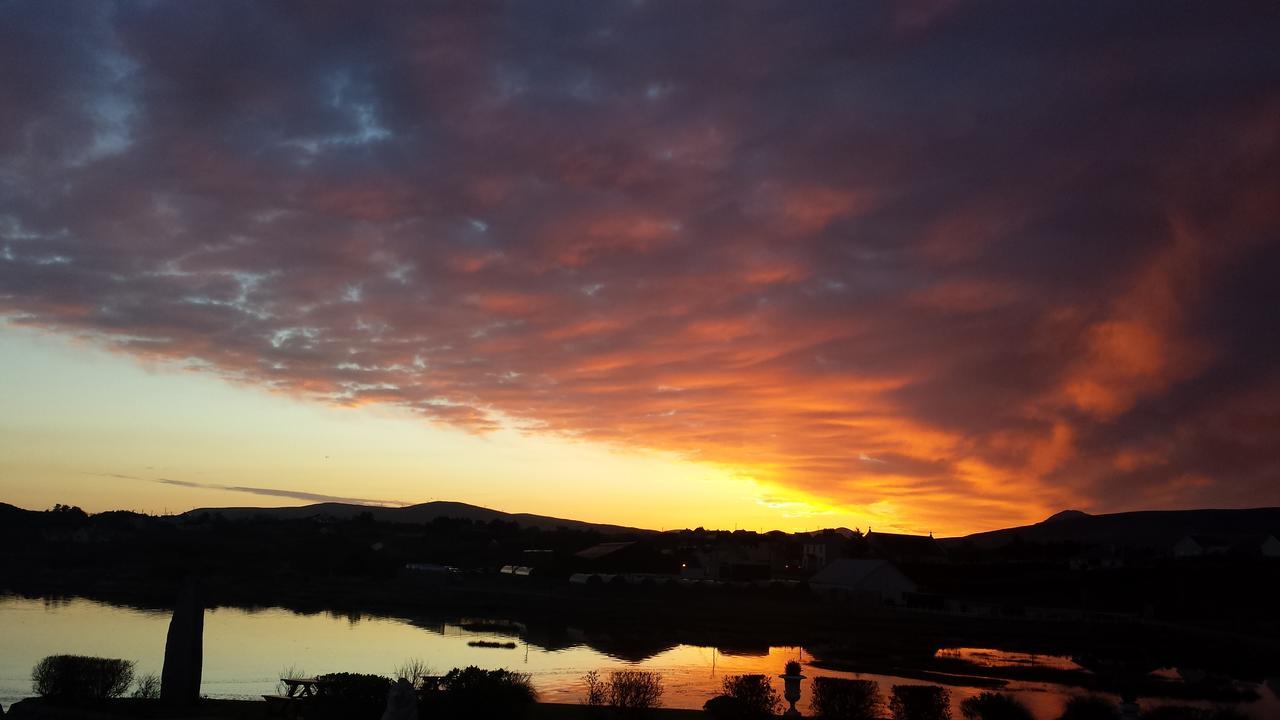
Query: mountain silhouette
[1157,529]
[422,513]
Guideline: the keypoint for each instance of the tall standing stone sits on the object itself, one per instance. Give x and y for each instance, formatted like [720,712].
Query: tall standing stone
[184,649]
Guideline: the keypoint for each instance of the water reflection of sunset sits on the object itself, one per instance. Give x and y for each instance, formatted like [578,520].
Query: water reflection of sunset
[246,650]
[989,657]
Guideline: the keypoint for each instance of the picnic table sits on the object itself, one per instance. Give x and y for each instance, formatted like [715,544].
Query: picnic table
[302,687]
[298,693]
[432,683]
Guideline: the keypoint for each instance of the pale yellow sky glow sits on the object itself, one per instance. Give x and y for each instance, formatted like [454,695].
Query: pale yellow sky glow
[86,426]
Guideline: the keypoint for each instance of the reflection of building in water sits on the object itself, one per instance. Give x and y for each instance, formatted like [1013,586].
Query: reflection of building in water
[628,645]
[995,658]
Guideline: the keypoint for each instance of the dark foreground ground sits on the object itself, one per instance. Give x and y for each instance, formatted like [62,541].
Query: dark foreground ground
[34,709]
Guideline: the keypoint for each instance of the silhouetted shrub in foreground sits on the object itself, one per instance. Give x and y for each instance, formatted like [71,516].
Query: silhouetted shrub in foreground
[77,677]
[994,706]
[1090,707]
[472,692]
[628,692]
[1186,712]
[843,699]
[920,702]
[746,697]
[413,670]
[353,695]
[147,687]
[723,707]
[597,690]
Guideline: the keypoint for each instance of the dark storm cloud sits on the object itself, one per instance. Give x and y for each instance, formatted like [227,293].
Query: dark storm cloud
[1021,255]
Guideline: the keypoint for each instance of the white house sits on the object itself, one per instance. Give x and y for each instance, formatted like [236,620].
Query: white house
[1199,546]
[1270,547]
[863,579]
[1187,547]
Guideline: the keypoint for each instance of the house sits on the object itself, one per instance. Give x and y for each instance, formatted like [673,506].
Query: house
[904,548]
[870,580]
[820,549]
[736,562]
[623,557]
[1200,546]
[1270,547]
[1107,557]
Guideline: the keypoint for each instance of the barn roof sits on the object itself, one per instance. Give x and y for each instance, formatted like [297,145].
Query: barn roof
[603,549]
[861,575]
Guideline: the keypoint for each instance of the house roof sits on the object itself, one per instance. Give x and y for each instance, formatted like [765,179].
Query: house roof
[603,549]
[915,546]
[855,573]
[1228,541]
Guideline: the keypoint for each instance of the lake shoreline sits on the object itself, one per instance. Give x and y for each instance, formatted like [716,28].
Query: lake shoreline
[248,649]
[719,618]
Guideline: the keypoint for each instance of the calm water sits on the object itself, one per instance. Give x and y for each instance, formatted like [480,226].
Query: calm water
[247,650]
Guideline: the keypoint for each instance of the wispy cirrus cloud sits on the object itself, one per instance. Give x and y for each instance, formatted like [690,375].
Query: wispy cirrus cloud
[832,246]
[269,492]
[291,494]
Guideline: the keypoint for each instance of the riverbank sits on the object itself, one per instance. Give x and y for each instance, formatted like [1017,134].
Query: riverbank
[122,709]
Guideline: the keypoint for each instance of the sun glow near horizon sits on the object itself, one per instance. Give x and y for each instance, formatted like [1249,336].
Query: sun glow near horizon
[87,426]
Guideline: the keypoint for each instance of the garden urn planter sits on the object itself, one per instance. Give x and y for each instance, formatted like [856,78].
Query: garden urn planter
[791,692]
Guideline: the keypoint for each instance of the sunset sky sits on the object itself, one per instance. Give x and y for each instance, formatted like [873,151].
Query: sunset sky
[929,265]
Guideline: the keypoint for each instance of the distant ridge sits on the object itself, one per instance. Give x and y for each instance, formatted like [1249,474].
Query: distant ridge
[422,513]
[1142,529]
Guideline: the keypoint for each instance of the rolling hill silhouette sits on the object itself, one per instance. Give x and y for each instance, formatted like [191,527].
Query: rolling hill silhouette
[422,513]
[1142,529]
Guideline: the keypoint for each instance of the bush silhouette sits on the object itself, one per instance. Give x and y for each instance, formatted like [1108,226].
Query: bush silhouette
[746,696]
[472,692]
[1090,707]
[723,707]
[77,677]
[353,695]
[631,692]
[994,706]
[920,702]
[597,690]
[147,687]
[413,670]
[842,699]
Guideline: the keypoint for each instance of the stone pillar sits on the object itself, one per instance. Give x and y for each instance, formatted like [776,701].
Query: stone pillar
[184,649]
